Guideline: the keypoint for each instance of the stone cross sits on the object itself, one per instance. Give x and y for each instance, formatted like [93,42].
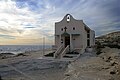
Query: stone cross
[65,28]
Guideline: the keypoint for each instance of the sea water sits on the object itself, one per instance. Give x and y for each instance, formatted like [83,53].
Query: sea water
[21,48]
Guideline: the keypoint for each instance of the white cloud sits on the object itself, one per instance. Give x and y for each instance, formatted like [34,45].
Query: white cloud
[43,14]
[14,20]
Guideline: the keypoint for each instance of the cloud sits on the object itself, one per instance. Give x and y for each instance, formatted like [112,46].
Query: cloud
[29,27]
[34,19]
[7,36]
[102,16]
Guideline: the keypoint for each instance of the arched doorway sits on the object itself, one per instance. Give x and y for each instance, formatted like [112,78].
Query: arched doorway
[67,40]
[66,37]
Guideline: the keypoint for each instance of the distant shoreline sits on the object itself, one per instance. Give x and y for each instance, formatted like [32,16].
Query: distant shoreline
[15,49]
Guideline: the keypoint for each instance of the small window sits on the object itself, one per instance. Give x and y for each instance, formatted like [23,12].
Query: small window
[88,31]
[88,42]
[61,40]
[68,18]
[61,29]
[73,28]
[88,35]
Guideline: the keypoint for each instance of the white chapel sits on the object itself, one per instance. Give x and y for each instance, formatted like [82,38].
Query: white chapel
[72,35]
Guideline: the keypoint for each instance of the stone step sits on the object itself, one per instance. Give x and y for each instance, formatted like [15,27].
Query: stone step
[69,56]
[52,58]
[74,55]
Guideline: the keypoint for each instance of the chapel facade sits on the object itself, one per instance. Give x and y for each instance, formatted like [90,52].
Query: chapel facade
[72,35]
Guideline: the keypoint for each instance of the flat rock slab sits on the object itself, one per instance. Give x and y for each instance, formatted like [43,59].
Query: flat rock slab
[36,68]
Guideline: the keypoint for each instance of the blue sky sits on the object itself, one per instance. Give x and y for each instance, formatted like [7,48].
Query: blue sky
[28,21]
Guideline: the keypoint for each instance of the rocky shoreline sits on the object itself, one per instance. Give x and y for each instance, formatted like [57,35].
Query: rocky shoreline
[27,66]
[88,66]
[105,66]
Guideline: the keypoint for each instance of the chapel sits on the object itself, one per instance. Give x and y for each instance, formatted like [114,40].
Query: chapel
[72,36]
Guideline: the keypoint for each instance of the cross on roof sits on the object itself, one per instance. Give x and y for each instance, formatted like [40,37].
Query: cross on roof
[65,28]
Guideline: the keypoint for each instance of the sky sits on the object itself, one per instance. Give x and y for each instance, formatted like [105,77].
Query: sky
[24,22]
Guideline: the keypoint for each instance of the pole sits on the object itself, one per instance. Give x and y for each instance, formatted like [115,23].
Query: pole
[43,45]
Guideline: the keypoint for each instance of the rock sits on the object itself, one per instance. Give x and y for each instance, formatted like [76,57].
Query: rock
[112,72]
[6,55]
[105,66]
[20,54]
[3,57]
[1,78]
[67,74]
[114,63]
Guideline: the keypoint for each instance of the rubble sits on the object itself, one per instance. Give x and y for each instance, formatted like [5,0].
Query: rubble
[105,66]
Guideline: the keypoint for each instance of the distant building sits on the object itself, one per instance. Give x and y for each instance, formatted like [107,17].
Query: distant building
[73,34]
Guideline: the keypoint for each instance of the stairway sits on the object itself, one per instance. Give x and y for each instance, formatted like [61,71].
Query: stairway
[63,54]
[71,55]
[58,52]
[59,55]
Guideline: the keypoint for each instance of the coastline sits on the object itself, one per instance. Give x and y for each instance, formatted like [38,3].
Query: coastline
[88,67]
[29,66]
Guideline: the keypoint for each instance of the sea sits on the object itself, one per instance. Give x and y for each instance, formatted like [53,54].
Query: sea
[15,49]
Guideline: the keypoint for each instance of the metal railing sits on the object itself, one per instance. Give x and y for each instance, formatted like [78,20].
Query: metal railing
[65,51]
[58,51]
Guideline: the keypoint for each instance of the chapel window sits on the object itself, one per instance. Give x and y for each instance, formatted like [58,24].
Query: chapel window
[68,18]
[61,29]
[88,42]
[73,28]
[88,35]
